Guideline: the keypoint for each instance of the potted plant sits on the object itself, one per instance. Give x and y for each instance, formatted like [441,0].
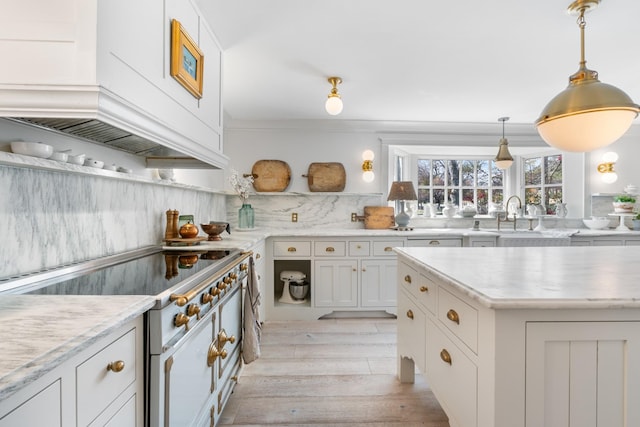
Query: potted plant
[623,203]
[636,222]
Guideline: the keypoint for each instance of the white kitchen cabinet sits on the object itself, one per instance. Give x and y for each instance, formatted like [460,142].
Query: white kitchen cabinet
[259,257]
[335,283]
[378,283]
[102,385]
[617,240]
[437,242]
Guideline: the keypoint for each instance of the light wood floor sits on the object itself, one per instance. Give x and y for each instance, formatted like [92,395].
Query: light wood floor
[333,372]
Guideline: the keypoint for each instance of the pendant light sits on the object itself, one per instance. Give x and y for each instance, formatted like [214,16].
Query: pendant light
[334,102]
[588,114]
[503,158]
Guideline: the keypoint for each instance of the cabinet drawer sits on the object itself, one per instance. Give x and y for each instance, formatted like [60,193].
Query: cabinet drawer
[385,248]
[434,242]
[359,248]
[452,376]
[97,385]
[283,248]
[459,317]
[329,248]
[422,289]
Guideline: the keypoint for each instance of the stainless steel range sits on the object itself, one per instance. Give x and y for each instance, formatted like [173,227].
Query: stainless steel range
[193,331]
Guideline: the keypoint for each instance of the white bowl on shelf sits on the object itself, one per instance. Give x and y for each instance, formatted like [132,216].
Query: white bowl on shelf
[59,156]
[35,149]
[596,223]
[94,163]
[77,159]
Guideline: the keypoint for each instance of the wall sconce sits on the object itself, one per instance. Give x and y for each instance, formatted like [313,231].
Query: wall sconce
[334,102]
[367,166]
[609,176]
[402,191]
[588,114]
[503,159]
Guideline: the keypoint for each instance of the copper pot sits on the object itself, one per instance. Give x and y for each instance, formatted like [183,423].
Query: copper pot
[188,231]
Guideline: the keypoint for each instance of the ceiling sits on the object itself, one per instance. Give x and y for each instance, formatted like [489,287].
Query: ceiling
[415,60]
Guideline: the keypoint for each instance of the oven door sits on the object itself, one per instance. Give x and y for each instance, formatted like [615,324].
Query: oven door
[183,378]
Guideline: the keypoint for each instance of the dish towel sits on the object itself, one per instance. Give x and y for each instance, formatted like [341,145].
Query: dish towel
[251,319]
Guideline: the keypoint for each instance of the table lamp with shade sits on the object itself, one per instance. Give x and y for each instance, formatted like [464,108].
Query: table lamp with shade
[402,191]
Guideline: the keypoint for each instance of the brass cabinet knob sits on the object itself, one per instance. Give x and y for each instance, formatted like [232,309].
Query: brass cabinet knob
[291,249]
[358,247]
[223,353]
[207,298]
[453,316]
[233,276]
[181,320]
[410,314]
[116,366]
[407,278]
[424,289]
[445,356]
[193,310]
[212,354]
[330,249]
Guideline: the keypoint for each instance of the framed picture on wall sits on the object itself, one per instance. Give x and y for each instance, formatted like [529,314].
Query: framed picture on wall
[187,60]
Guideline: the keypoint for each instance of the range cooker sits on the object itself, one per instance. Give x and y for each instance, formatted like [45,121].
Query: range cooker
[193,332]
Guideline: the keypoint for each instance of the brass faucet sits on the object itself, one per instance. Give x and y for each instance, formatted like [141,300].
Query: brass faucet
[506,212]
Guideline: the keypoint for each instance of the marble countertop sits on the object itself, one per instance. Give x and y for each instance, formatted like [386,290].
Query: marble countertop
[42,331]
[538,277]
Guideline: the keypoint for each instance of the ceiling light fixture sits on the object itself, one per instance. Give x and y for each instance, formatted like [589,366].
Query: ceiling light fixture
[334,102]
[588,114]
[503,158]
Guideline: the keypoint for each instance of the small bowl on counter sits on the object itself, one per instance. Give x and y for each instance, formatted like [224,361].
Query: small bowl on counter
[98,164]
[596,223]
[34,149]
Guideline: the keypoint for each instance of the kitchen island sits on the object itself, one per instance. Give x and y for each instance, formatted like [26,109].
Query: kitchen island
[511,337]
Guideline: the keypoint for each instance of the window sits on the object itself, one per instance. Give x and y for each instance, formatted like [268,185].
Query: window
[462,181]
[543,181]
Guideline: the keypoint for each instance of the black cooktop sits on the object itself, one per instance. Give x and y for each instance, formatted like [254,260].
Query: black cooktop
[150,274]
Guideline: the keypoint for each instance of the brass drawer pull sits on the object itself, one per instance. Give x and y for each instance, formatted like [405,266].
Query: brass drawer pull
[434,242]
[388,249]
[445,356]
[330,249]
[407,278]
[453,316]
[291,249]
[410,314]
[116,366]
[424,289]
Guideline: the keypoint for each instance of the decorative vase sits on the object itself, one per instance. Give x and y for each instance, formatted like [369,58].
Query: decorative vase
[246,216]
[561,210]
[449,210]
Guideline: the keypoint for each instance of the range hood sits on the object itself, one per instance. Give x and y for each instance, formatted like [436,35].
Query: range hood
[100,117]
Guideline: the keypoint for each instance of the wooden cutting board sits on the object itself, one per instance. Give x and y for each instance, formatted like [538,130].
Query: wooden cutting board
[326,177]
[379,217]
[271,175]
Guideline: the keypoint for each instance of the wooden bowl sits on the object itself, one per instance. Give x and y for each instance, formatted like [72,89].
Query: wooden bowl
[214,229]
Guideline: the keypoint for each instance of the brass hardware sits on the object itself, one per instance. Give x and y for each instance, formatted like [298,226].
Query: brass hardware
[234,378]
[215,291]
[244,267]
[294,217]
[407,278]
[364,269]
[453,316]
[223,354]
[223,338]
[182,300]
[445,356]
[291,249]
[358,247]
[434,242]
[227,280]
[222,286]
[330,249]
[233,276]
[116,366]
[355,269]
[258,256]
[207,298]
[182,320]
[212,354]
[424,289]
[388,249]
[193,309]
[410,314]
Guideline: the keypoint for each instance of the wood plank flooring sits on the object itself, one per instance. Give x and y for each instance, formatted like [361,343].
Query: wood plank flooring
[331,372]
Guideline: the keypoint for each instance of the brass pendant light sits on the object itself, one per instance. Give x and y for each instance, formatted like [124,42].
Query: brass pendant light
[588,114]
[503,159]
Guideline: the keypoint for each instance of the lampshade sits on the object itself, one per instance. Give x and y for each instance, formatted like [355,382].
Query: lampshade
[402,190]
[503,159]
[588,114]
[334,102]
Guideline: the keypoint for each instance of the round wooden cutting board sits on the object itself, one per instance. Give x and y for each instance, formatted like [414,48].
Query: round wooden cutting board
[271,175]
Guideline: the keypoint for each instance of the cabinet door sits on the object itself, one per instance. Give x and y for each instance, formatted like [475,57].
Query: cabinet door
[582,374]
[42,410]
[412,323]
[378,283]
[335,283]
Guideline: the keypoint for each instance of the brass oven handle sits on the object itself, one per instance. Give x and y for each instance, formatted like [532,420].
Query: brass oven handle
[410,314]
[116,366]
[330,249]
[183,299]
[434,242]
[424,289]
[407,278]
[445,356]
[453,316]
[291,249]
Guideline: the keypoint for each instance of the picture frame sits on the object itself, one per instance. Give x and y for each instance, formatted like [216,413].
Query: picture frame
[187,60]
